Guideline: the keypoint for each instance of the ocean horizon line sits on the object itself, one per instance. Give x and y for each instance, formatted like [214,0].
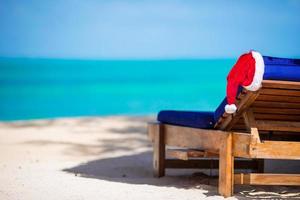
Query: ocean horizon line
[131,59]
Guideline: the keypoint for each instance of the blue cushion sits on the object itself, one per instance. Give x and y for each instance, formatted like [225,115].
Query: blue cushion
[268,60]
[281,69]
[220,110]
[203,120]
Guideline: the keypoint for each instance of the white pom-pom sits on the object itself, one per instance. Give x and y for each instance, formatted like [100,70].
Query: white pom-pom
[230,108]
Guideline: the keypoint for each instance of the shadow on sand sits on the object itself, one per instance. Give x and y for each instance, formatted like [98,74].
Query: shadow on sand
[137,169]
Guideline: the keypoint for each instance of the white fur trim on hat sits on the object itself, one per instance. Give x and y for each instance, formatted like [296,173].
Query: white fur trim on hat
[259,72]
[230,108]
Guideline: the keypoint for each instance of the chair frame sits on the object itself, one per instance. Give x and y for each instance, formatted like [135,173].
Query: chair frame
[273,108]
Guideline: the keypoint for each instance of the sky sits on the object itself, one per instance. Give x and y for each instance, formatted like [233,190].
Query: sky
[148,29]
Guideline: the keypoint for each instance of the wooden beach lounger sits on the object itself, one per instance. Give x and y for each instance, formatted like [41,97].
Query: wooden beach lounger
[265,126]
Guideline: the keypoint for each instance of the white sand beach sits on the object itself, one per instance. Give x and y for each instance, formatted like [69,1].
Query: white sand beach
[98,158]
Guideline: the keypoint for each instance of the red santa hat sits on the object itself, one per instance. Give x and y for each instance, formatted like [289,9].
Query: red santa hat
[247,72]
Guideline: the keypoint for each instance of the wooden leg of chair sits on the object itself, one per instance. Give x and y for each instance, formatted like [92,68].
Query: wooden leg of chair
[158,151]
[226,168]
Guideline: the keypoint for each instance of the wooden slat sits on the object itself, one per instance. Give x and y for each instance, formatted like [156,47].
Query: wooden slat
[206,154]
[278,125]
[281,117]
[267,179]
[193,138]
[277,111]
[278,98]
[281,84]
[179,154]
[229,122]
[276,150]
[186,154]
[281,92]
[225,118]
[266,104]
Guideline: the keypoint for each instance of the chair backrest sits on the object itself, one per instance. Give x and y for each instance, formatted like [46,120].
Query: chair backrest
[275,107]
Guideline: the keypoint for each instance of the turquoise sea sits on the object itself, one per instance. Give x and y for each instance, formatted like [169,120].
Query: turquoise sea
[47,88]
